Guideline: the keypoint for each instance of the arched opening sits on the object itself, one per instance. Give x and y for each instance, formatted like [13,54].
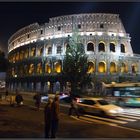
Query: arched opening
[40,52]
[91,67]
[47,68]
[57,67]
[39,68]
[112,47]
[59,50]
[124,68]
[134,68]
[101,47]
[13,72]
[32,52]
[21,55]
[102,67]
[67,46]
[17,56]
[25,69]
[113,67]
[90,47]
[122,48]
[31,69]
[26,53]
[50,50]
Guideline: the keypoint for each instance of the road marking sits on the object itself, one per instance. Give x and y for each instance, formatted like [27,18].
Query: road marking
[129,116]
[107,119]
[132,114]
[126,119]
[97,121]
[80,119]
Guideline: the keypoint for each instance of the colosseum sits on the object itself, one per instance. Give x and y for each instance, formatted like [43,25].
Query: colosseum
[36,52]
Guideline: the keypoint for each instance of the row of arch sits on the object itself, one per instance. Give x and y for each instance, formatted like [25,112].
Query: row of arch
[33,52]
[57,68]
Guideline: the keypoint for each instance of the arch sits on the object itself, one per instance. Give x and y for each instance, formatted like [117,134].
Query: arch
[26,53]
[33,52]
[49,50]
[39,68]
[101,67]
[57,67]
[47,68]
[31,69]
[17,56]
[59,50]
[122,48]
[40,51]
[90,46]
[21,55]
[25,69]
[124,68]
[91,67]
[101,47]
[13,71]
[67,46]
[134,68]
[113,67]
[112,47]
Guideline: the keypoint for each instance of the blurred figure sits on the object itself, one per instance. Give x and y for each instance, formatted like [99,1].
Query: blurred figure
[48,117]
[74,108]
[55,116]
[19,98]
[37,99]
[6,94]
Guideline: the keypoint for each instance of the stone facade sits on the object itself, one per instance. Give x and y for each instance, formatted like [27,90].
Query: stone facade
[36,52]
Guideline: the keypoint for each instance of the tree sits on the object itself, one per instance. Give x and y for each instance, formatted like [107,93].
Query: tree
[75,64]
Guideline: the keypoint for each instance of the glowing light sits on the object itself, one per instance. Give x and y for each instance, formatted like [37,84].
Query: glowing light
[42,38]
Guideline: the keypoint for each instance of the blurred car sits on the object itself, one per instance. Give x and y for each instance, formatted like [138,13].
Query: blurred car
[98,106]
[44,98]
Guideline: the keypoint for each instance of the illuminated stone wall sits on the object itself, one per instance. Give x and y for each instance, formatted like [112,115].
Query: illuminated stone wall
[36,51]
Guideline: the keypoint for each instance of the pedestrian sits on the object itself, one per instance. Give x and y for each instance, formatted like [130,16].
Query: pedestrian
[19,98]
[55,116]
[37,99]
[74,107]
[6,94]
[48,113]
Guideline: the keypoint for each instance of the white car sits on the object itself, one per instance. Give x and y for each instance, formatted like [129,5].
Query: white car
[98,106]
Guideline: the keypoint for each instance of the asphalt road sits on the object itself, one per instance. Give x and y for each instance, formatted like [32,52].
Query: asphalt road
[27,122]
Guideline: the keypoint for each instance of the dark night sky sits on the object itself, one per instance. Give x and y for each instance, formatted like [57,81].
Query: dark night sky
[16,15]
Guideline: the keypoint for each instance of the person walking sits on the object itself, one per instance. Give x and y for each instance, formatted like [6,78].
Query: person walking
[55,116]
[48,116]
[74,108]
[37,99]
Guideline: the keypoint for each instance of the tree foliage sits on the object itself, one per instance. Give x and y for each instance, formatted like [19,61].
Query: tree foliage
[75,64]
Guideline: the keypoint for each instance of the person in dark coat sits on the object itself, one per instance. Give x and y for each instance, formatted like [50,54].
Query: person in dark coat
[55,116]
[37,99]
[18,98]
[74,107]
[48,113]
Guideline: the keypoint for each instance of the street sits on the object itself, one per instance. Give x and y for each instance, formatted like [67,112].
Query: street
[27,122]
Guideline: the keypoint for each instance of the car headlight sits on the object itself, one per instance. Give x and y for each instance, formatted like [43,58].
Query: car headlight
[112,111]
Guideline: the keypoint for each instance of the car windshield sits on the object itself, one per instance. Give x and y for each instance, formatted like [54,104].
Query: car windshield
[103,102]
